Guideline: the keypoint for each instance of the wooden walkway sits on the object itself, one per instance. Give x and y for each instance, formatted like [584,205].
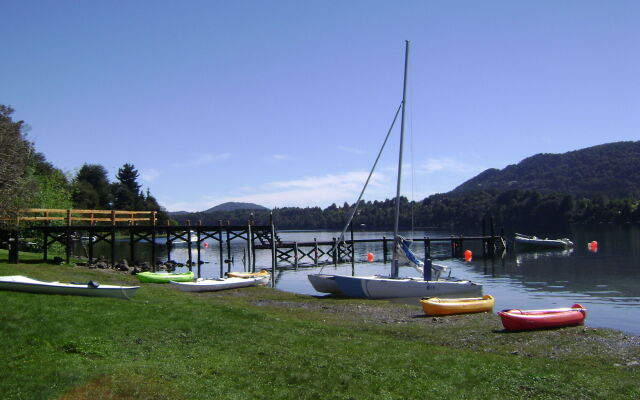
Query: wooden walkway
[67,226]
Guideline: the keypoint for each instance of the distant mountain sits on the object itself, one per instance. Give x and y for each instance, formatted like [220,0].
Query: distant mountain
[611,169]
[233,206]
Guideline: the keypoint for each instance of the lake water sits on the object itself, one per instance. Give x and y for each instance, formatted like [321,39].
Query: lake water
[606,282]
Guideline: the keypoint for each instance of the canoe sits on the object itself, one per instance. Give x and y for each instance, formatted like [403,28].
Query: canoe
[164,277]
[212,285]
[25,284]
[439,306]
[524,320]
[233,274]
[535,242]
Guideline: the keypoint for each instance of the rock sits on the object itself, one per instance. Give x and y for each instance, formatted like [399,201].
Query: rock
[102,265]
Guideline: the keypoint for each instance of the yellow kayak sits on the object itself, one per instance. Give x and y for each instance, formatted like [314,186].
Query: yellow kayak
[438,306]
[262,273]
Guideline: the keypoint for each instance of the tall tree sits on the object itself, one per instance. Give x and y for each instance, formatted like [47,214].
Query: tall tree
[15,154]
[91,188]
[128,176]
[126,192]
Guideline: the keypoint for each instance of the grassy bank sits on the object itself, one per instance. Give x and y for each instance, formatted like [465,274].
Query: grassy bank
[263,343]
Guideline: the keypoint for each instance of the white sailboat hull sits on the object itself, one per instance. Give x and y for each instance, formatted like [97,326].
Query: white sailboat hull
[212,285]
[380,287]
[21,283]
[324,283]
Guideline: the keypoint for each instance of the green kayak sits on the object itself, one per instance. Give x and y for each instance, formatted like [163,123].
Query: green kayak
[163,277]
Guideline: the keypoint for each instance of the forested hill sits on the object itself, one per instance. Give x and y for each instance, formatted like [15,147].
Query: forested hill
[611,169]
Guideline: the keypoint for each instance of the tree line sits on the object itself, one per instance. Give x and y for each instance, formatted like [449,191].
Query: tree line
[512,209]
[28,180]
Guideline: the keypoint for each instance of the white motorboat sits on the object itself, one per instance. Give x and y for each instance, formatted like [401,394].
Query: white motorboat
[213,284]
[539,243]
[25,284]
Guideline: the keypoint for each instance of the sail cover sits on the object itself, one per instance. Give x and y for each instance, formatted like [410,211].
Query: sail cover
[406,256]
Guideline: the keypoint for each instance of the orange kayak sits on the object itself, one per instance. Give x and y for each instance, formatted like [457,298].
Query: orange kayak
[525,320]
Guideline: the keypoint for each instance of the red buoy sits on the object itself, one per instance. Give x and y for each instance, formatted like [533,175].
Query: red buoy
[468,255]
[370,257]
[205,245]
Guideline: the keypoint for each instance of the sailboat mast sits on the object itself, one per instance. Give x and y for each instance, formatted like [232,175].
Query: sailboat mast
[394,262]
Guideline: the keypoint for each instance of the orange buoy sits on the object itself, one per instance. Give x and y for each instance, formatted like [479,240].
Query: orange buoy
[205,245]
[468,255]
[593,246]
[370,257]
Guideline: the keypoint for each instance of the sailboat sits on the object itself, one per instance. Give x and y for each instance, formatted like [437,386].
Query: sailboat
[393,286]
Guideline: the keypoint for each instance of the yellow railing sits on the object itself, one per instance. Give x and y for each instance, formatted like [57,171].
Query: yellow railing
[91,217]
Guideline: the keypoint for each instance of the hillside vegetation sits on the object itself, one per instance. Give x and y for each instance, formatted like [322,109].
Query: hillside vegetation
[599,184]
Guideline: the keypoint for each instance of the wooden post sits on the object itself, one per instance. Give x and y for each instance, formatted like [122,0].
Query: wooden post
[132,245]
[315,251]
[198,250]
[384,249]
[68,241]
[249,244]
[113,237]
[45,237]
[334,254]
[91,233]
[492,246]
[14,247]
[228,251]
[427,248]
[168,243]
[153,241]
[295,255]
[274,250]
[220,252]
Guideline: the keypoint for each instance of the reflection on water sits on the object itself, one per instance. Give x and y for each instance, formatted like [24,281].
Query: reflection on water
[607,282]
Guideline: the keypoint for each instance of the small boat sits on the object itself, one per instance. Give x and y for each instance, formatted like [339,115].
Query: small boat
[262,273]
[212,285]
[164,277]
[539,243]
[324,283]
[439,306]
[25,284]
[524,320]
[384,287]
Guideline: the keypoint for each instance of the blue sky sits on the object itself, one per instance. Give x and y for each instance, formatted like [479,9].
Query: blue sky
[285,103]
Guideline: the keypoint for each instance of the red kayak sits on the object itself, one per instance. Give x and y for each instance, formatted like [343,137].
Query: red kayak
[525,320]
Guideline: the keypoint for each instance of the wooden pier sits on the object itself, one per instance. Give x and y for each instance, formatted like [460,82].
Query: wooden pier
[95,226]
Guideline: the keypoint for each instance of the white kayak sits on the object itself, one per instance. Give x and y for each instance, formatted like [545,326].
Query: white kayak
[212,285]
[536,242]
[25,284]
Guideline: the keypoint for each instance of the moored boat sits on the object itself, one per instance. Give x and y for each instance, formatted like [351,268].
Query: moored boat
[164,277]
[324,283]
[524,320]
[212,285]
[25,284]
[440,306]
[534,242]
[383,287]
[261,273]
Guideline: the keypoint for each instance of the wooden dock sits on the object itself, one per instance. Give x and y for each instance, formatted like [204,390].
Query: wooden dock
[65,226]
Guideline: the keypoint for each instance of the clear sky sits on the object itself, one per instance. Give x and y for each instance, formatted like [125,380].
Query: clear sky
[285,103]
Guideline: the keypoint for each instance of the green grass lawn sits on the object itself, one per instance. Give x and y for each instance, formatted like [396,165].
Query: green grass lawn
[260,343]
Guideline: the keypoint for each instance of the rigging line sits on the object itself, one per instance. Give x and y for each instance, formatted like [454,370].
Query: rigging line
[357,203]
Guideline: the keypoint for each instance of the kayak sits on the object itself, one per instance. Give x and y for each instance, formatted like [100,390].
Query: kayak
[536,242]
[524,320]
[212,285]
[439,306]
[262,273]
[164,277]
[25,284]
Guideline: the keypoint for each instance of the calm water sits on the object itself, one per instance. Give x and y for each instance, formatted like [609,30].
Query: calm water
[607,282]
